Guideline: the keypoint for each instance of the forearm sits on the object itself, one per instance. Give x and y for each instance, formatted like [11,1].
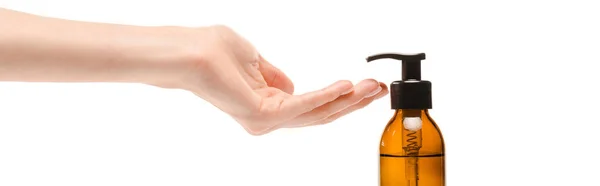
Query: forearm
[41,49]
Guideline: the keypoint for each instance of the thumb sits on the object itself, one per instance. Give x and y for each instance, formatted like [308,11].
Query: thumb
[275,77]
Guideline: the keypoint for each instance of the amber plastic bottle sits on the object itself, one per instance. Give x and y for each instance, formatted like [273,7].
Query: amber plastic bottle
[412,146]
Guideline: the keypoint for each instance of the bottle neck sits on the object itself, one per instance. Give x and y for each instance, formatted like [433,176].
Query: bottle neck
[411,112]
[411,119]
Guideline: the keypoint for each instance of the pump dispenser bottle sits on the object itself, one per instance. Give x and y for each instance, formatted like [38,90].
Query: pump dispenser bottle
[411,152]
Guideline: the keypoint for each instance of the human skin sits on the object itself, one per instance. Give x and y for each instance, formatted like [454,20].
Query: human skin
[213,62]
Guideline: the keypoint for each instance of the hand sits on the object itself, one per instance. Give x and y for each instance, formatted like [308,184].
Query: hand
[213,62]
[230,74]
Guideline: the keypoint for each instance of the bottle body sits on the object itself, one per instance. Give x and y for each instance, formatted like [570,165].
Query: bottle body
[411,151]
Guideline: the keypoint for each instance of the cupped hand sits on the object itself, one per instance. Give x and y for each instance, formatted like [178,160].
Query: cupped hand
[229,73]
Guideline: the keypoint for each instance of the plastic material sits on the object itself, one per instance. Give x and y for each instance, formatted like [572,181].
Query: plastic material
[411,92]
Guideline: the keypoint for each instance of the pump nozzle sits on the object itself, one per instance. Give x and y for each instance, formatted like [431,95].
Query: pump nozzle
[411,63]
[411,92]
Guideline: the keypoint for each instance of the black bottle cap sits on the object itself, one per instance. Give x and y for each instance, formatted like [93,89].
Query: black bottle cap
[411,92]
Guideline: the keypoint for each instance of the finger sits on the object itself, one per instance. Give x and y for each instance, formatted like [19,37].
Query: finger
[297,105]
[362,104]
[275,77]
[362,90]
[262,131]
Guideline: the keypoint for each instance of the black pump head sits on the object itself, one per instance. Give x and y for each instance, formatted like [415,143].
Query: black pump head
[411,64]
[411,92]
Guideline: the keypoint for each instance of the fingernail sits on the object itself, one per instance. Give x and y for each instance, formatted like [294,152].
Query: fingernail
[374,92]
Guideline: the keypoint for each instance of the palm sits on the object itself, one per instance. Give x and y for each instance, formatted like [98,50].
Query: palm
[264,99]
[280,108]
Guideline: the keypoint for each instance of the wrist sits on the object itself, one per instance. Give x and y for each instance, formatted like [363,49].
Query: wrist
[158,56]
[176,57]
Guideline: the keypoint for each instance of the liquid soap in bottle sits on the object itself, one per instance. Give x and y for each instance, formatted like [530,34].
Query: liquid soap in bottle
[412,147]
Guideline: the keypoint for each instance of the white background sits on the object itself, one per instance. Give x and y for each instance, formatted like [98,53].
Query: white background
[514,86]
